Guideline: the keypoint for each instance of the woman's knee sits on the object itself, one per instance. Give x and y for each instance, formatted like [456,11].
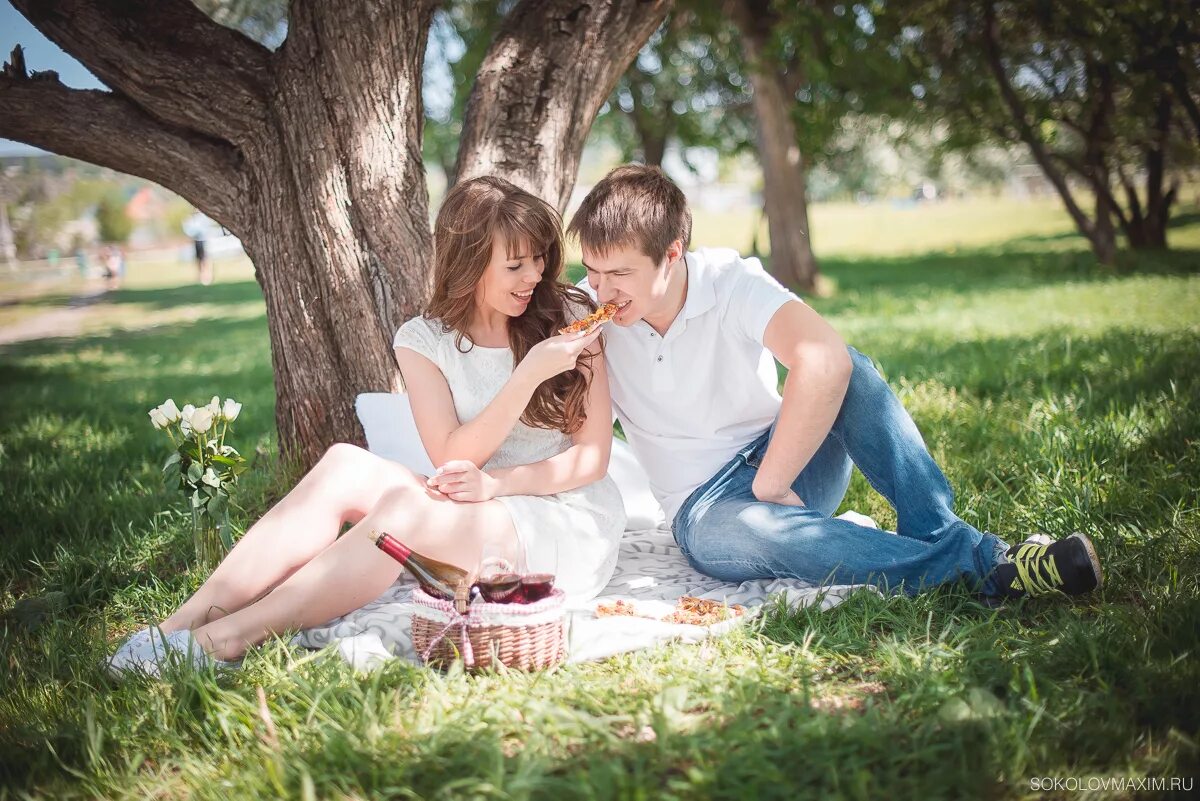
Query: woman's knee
[406,498]
[353,479]
[350,463]
[342,455]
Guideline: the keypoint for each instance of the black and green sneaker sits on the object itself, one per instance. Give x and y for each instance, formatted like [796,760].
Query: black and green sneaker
[1068,566]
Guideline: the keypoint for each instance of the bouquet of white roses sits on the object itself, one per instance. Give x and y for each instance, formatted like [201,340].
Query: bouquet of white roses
[204,468]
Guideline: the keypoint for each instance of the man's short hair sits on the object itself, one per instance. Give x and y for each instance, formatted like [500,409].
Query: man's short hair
[633,206]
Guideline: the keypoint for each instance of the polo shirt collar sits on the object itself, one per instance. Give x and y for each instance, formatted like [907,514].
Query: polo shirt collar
[701,294]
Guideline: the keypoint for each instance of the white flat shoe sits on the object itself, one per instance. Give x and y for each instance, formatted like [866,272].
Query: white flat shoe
[183,647]
[149,651]
[142,646]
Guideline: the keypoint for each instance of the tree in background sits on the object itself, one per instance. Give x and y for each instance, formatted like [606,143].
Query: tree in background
[114,224]
[312,153]
[686,87]
[1099,92]
[791,82]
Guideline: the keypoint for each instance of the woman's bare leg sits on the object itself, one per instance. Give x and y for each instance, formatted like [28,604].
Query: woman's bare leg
[346,483]
[352,571]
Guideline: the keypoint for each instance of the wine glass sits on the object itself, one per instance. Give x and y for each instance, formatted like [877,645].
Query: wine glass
[498,576]
[538,581]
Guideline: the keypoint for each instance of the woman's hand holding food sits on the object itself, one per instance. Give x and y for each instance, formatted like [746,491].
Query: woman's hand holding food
[557,354]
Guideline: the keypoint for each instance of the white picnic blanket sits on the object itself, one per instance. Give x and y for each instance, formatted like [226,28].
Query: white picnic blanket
[651,573]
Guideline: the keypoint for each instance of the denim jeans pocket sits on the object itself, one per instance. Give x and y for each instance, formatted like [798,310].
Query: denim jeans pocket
[752,454]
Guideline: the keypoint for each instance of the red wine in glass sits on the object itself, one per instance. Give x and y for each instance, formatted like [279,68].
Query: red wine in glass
[500,588]
[536,586]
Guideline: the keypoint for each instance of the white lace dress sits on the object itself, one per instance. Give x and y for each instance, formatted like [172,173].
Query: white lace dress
[587,521]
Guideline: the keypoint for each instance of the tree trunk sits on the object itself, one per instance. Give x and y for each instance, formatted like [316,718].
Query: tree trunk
[342,240]
[550,68]
[1148,230]
[1103,235]
[651,134]
[784,172]
[311,155]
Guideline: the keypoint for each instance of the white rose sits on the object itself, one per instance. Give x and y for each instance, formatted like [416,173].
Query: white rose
[202,420]
[214,406]
[170,410]
[231,409]
[185,418]
[157,418]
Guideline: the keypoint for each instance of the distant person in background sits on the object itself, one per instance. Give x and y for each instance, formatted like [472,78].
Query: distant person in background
[204,272]
[200,228]
[114,266]
[81,261]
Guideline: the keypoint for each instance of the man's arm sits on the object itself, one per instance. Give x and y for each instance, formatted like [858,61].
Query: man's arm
[819,369]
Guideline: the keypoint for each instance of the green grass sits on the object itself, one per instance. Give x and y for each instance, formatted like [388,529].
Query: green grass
[1058,396]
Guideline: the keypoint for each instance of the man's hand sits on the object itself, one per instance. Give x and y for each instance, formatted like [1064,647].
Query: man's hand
[783,496]
[460,480]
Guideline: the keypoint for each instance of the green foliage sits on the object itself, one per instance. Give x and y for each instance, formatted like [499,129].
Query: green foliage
[1097,90]
[687,86]
[115,225]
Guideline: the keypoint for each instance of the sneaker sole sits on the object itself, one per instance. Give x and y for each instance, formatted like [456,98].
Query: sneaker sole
[1095,560]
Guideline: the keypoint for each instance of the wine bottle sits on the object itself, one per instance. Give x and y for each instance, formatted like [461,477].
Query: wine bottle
[439,579]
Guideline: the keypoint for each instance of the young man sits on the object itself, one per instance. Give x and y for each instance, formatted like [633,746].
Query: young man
[750,479]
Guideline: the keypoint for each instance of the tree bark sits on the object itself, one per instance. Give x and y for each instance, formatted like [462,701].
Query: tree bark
[108,129]
[311,155]
[549,69]
[339,212]
[784,171]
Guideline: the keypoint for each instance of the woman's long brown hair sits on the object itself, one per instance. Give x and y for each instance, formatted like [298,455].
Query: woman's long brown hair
[473,214]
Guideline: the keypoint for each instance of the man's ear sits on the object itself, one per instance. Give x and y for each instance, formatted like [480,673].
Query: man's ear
[675,251]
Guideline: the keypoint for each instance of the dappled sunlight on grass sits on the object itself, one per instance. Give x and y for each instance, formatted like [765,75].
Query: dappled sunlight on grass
[1056,395]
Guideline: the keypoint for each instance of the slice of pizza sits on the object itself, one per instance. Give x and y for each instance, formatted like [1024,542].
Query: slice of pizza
[599,317]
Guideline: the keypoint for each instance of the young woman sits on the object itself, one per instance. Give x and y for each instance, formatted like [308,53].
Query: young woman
[517,417]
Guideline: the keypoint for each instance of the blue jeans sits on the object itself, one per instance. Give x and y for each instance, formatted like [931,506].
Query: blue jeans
[725,532]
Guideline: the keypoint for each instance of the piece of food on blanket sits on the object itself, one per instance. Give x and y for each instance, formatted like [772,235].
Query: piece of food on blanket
[689,610]
[598,317]
[617,609]
[702,612]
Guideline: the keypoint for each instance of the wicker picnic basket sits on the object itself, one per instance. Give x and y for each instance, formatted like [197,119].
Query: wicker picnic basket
[524,636]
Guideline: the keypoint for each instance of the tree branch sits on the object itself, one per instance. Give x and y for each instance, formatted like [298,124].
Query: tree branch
[167,57]
[548,71]
[1185,99]
[1131,195]
[106,129]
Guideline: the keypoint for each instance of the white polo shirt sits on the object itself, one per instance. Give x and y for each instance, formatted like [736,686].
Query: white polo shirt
[690,400]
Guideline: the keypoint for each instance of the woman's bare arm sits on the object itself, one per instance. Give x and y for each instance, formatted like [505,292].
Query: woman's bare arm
[582,463]
[445,438]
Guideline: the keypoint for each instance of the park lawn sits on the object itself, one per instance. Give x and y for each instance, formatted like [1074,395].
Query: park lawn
[1058,396]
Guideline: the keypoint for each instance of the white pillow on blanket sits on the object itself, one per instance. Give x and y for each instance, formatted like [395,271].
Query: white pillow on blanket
[387,421]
